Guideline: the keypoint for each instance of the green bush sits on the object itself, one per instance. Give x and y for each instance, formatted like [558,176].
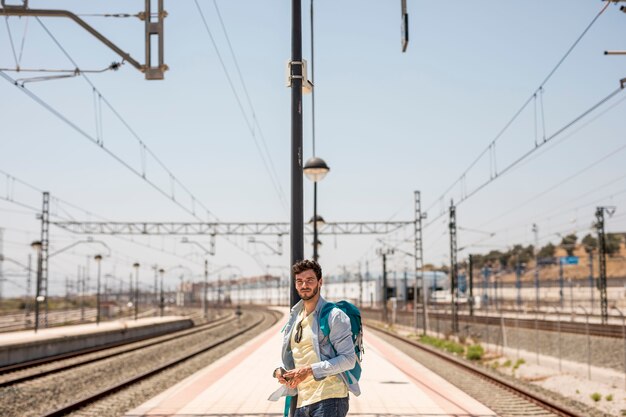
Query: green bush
[507,363]
[475,352]
[596,396]
[446,345]
[609,397]
[519,362]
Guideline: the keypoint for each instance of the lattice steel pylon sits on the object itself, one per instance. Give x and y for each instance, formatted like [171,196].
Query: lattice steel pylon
[419,267]
[453,268]
[604,302]
[45,239]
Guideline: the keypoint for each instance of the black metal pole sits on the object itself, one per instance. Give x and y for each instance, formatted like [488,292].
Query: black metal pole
[38,289]
[297,221]
[205,306]
[162,298]
[98,296]
[315,255]
[384,291]
[471,284]
[136,292]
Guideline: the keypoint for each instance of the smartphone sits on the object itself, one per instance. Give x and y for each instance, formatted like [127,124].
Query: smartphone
[282,371]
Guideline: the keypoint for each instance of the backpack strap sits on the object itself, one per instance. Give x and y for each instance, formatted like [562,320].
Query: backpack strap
[324,326]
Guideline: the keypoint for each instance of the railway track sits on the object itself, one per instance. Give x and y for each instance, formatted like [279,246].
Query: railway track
[565,326]
[120,381]
[27,371]
[506,398]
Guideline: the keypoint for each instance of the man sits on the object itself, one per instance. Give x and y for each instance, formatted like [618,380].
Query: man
[315,364]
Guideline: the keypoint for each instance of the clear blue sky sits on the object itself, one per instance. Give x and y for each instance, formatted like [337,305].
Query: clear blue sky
[387,123]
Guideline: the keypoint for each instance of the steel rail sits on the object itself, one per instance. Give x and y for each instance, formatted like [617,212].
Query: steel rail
[595,329]
[500,382]
[137,378]
[162,339]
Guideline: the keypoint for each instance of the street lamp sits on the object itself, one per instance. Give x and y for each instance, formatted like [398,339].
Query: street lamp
[205,284]
[38,298]
[136,266]
[98,259]
[162,299]
[315,170]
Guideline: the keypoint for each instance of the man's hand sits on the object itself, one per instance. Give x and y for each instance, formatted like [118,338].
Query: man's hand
[294,377]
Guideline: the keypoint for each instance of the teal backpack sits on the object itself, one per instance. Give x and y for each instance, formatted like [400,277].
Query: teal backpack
[354,314]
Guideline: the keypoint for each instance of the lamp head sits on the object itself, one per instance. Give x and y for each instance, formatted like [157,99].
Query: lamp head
[36,245]
[319,221]
[98,257]
[315,169]
[136,265]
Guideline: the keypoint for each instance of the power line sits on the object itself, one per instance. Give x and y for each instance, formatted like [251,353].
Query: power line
[142,144]
[251,125]
[577,119]
[539,89]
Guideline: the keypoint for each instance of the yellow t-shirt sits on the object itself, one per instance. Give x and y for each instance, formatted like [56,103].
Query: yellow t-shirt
[311,391]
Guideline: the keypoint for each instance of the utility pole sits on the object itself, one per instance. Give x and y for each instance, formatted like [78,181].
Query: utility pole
[419,266]
[156,287]
[471,284]
[518,281]
[591,279]
[82,294]
[28,285]
[536,233]
[45,236]
[1,261]
[295,82]
[205,285]
[602,259]
[453,268]
[360,287]
[561,282]
[384,252]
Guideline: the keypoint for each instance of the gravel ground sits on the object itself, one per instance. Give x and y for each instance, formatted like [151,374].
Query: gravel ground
[612,399]
[118,404]
[33,398]
[493,398]
[606,352]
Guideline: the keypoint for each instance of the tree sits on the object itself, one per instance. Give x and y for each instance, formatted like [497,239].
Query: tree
[613,242]
[547,251]
[569,243]
[590,243]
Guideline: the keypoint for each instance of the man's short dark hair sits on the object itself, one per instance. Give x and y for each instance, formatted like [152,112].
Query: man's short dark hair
[304,265]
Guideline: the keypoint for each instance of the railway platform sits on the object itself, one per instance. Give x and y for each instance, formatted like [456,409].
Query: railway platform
[26,345]
[239,384]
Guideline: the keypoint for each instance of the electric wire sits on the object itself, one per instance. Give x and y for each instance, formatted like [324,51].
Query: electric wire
[249,100]
[251,128]
[560,183]
[142,144]
[539,89]
[6,20]
[531,151]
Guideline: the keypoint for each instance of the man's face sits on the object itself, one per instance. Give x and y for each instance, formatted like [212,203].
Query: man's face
[307,284]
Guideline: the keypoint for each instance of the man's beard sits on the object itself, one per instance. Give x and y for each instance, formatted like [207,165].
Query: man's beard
[312,294]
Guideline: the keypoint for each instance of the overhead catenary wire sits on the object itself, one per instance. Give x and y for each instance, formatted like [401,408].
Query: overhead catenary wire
[539,89]
[141,142]
[251,127]
[249,100]
[521,158]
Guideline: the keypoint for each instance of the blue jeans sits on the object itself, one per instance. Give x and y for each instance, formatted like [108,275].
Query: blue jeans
[332,407]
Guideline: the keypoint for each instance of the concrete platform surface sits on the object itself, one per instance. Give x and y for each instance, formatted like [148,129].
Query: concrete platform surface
[60,332]
[239,384]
